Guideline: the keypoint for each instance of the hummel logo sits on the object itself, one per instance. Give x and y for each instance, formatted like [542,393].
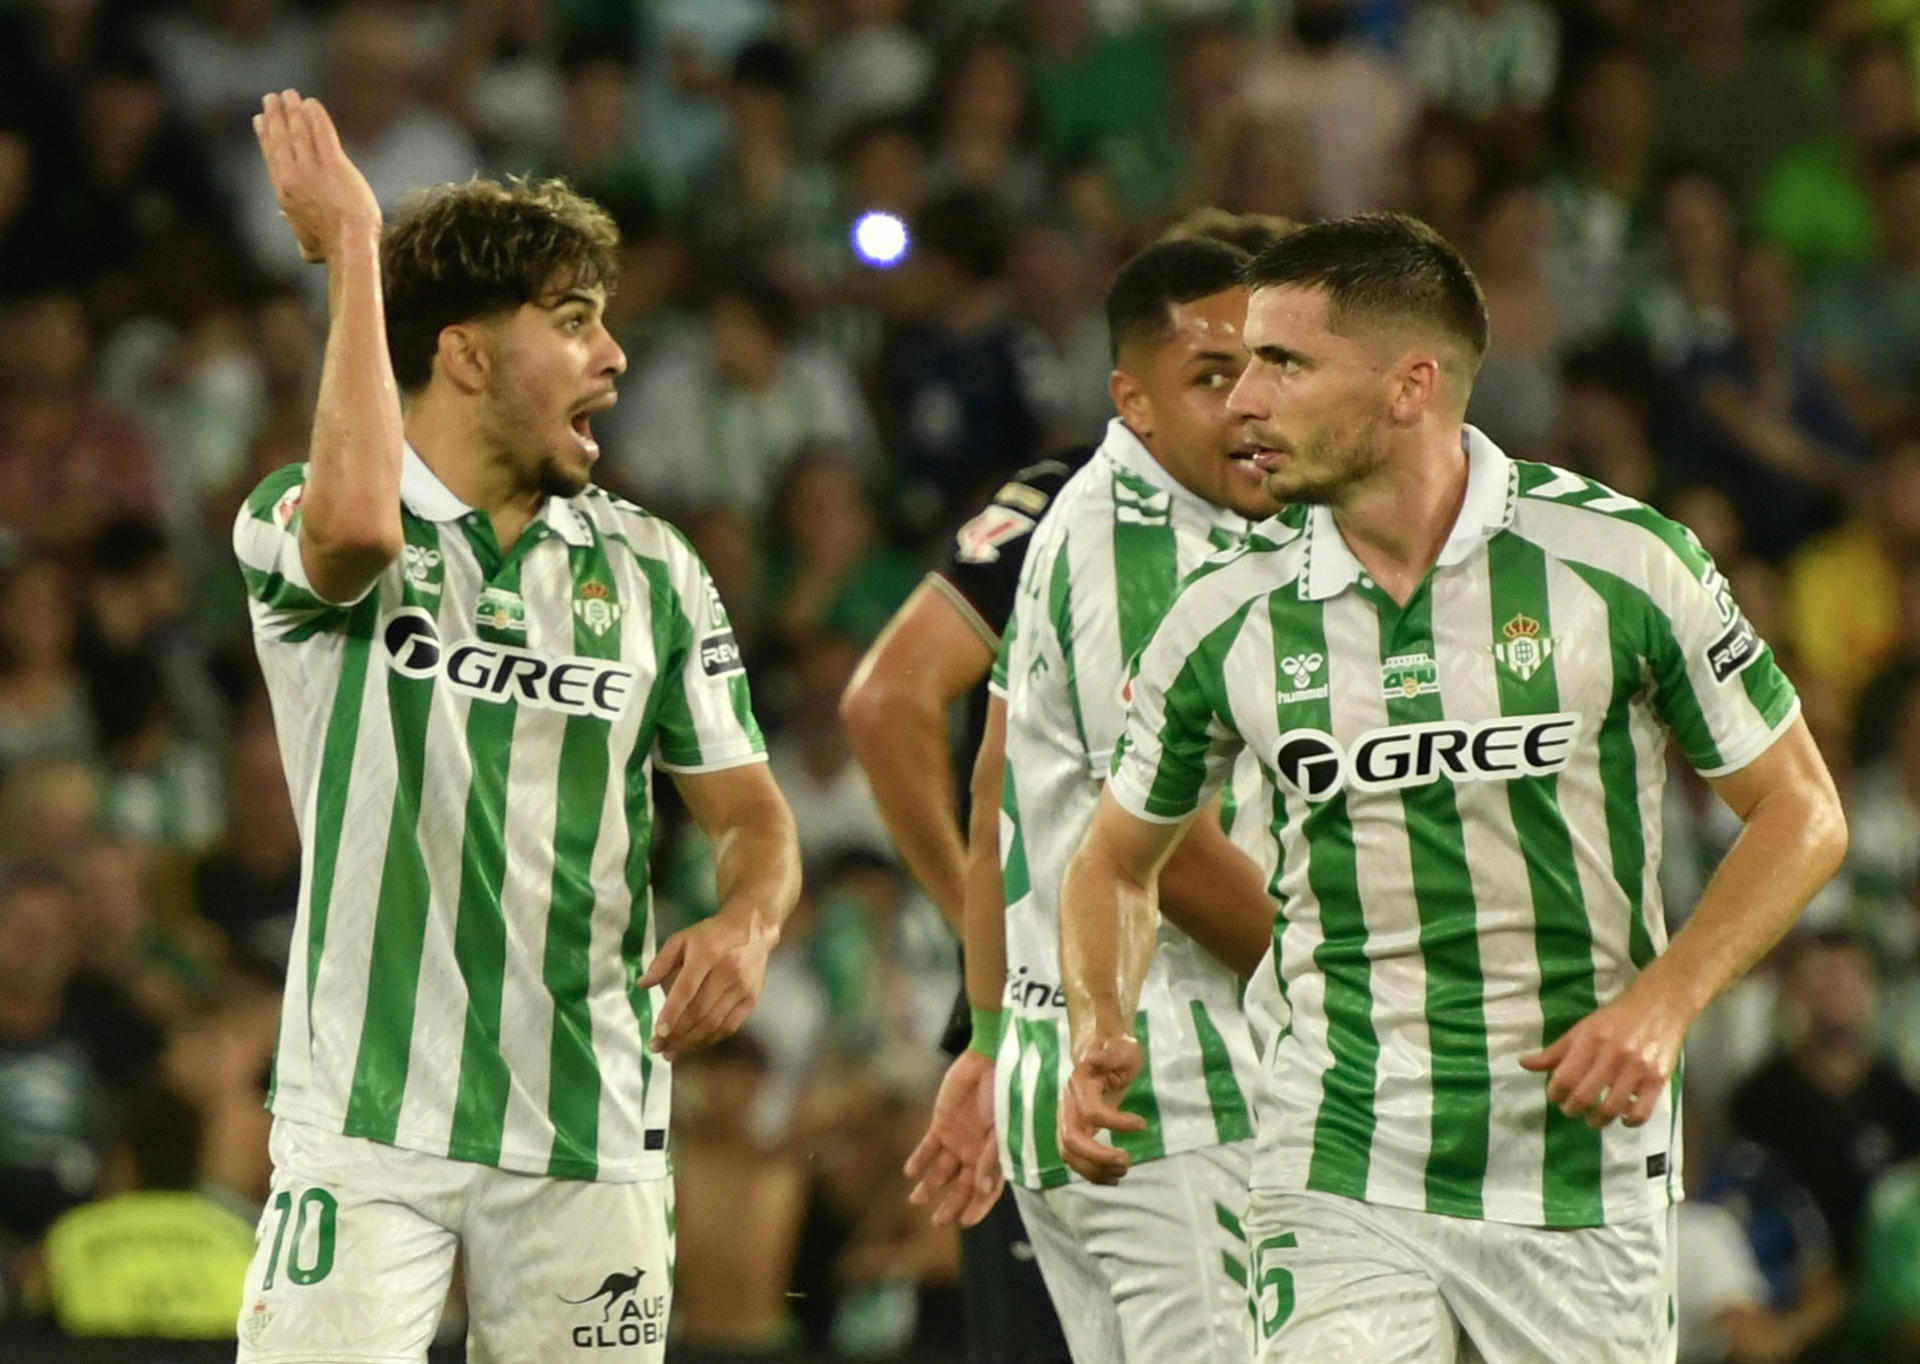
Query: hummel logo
[1300,668]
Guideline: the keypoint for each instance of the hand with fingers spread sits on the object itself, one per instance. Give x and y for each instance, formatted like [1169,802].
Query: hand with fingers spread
[1101,1076]
[713,972]
[958,1161]
[1616,1062]
[321,193]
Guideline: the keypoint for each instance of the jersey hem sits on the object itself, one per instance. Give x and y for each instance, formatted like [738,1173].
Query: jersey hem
[650,1166]
[1505,1212]
[968,611]
[1059,1176]
[1752,753]
[712,764]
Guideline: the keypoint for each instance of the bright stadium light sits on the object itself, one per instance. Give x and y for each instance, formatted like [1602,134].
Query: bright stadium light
[879,239]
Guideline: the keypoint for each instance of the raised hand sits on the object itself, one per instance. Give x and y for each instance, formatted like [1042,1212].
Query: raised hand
[958,1161]
[321,193]
[1107,1066]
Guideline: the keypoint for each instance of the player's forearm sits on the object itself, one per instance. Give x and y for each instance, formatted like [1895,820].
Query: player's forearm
[351,506]
[1213,893]
[757,866]
[1791,843]
[901,741]
[1108,916]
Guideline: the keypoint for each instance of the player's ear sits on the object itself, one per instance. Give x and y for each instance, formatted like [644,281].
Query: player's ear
[463,355]
[1131,402]
[1414,386]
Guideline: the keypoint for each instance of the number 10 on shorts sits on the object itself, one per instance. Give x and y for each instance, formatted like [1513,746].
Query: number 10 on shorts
[309,1258]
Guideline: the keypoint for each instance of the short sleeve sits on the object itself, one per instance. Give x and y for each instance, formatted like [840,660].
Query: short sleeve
[704,714]
[266,540]
[1716,683]
[1179,744]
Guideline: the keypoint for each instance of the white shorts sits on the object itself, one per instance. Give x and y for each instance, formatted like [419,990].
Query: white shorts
[355,1253]
[1337,1281]
[1152,1268]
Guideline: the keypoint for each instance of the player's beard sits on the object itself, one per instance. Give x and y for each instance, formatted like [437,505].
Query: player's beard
[522,431]
[1324,469]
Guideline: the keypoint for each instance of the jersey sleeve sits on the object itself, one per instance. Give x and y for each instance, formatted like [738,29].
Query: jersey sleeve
[1716,683]
[266,541]
[1180,743]
[982,570]
[704,712]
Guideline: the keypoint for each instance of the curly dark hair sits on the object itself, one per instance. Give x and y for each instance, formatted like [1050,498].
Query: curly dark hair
[456,253]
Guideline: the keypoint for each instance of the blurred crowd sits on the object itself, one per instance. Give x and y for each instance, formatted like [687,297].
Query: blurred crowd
[1698,227]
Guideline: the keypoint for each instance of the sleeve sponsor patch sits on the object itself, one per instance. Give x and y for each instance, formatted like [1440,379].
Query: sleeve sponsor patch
[979,541]
[720,654]
[1733,651]
[288,504]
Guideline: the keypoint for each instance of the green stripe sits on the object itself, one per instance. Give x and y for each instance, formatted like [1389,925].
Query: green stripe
[281,593]
[1018,1148]
[480,929]
[267,493]
[1343,1122]
[335,780]
[1228,1222]
[1043,1035]
[1139,1100]
[1060,614]
[1563,938]
[400,916]
[1462,1088]
[573,1075]
[1146,564]
[1619,762]
[1015,880]
[1230,1119]
[1196,695]
[678,737]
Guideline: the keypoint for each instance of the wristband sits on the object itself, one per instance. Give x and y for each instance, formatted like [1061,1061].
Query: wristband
[986,1032]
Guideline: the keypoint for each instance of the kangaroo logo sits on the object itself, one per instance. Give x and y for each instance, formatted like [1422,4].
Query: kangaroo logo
[613,1288]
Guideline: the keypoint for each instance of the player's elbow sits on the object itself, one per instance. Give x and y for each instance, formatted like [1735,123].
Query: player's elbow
[1826,835]
[873,707]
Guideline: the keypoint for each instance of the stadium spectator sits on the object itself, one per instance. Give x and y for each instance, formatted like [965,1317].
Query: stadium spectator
[1886,1319]
[1816,203]
[1828,1102]
[827,569]
[875,65]
[1761,420]
[68,464]
[1757,1278]
[373,83]
[971,394]
[1601,194]
[1517,395]
[588,142]
[1491,61]
[833,809]
[43,695]
[1867,322]
[218,55]
[153,1256]
[67,1044]
[1844,586]
[1732,99]
[718,421]
[248,887]
[983,111]
[1684,303]
[1447,174]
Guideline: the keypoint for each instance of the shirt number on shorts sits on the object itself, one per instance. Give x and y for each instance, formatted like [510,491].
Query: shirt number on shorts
[1272,1285]
[322,1265]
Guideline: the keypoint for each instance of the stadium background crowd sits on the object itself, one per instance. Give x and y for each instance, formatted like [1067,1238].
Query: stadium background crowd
[1698,227]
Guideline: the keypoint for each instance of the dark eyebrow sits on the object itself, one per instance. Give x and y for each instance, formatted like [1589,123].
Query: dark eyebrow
[580,296]
[1214,357]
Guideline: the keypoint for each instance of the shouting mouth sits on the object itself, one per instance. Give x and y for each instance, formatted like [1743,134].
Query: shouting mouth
[581,423]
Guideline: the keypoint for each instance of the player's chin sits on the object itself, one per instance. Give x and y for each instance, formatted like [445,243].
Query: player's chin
[563,476]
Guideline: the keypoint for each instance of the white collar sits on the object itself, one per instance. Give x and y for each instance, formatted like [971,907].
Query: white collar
[431,500]
[1485,511]
[1127,450]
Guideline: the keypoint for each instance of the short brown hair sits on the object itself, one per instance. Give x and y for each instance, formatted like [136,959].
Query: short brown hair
[456,253]
[1384,265]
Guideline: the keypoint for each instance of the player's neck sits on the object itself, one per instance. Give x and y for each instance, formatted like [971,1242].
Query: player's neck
[1397,520]
[462,458]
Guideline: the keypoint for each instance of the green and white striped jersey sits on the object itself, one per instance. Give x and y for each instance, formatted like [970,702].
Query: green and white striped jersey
[1466,791]
[1102,566]
[469,747]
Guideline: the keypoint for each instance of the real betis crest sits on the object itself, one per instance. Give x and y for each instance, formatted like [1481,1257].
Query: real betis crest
[1524,649]
[595,606]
